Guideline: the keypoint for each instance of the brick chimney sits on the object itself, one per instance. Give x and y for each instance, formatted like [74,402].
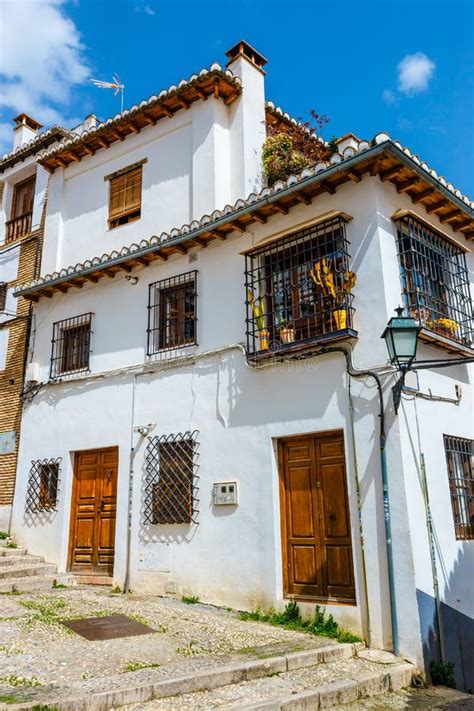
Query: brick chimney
[247,120]
[25,129]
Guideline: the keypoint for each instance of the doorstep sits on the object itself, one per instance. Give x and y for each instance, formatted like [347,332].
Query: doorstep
[93,579]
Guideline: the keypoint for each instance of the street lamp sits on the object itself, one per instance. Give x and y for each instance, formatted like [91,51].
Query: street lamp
[401,339]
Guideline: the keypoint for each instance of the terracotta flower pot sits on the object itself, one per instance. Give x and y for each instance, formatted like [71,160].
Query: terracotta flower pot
[287,334]
[340,319]
[264,338]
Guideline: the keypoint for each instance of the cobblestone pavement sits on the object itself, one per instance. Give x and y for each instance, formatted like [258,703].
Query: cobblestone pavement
[35,649]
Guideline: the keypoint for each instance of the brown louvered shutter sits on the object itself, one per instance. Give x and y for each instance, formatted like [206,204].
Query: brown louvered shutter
[125,196]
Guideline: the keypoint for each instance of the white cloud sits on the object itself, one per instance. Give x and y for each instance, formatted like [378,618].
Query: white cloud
[42,59]
[389,96]
[414,73]
[145,8]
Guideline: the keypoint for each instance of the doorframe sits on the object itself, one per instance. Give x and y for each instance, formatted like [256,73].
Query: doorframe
[283,519]
[72,510]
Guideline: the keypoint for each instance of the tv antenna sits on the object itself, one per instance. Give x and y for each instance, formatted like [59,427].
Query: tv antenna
[116,84]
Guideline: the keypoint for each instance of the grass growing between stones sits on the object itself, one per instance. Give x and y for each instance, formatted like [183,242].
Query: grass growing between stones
[8,699]
[3,536]
[135,666]
[319,624]
[190,599]
[20,681]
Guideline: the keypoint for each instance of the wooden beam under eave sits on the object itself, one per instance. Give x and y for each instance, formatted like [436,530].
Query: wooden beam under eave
[354,176]
[119,136]
[327,187]
[282,209]
[262,219]
[62,288]
[453,215]
[102,141]
[304,198]
[202,94]
[149,118]
[467,228]
[216,235]
[236,225]
[391,172]
[423,195]
[436,206]
[62,163]
[133,126]
[167,111]
[216,89]
[200,242]
[374,168]
[230,99]
[407,184]
[179,248]
[185,104]
[108,272]
[73,156]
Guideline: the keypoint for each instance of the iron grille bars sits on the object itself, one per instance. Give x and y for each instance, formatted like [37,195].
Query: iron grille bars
[71,343]
[459,460]
[43,484]
[435,281]
[285,305]
[172,320]
[171,479]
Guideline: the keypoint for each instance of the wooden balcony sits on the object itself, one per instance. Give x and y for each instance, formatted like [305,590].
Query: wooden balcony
[18,227]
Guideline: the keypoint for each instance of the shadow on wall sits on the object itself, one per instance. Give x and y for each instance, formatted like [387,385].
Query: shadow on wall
[458,628]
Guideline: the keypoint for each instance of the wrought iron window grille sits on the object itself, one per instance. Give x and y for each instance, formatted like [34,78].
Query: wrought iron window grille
[286,309]
[172,319]
[460,463]
[435,281]
[43,485]
[171,479]
[71,346]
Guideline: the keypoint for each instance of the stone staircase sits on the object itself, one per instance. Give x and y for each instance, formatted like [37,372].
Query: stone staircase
[22,572]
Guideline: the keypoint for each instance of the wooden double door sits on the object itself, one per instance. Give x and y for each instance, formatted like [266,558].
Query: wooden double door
[316,532]
[93,512]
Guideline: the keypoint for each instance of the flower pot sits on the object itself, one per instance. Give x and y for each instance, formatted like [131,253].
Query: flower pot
[264,338]
[287,334]
[340,319]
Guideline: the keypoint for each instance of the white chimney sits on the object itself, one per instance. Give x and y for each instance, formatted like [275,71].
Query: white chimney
[25,129]
[247,123]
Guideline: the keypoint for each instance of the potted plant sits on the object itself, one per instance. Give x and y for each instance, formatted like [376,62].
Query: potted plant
[420,314]
[287,332]
[324,279]
[444,326]
[258,311]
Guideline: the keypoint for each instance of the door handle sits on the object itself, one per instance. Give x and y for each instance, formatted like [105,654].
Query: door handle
[101,507]
[332,517]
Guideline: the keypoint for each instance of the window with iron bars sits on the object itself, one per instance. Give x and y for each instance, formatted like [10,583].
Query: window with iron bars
[435,281]
[172,321]
[171,479]
[71,345]
[289,304]
[460,463]
[43,482]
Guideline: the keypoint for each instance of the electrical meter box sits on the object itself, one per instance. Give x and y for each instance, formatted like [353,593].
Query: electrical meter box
[224,493]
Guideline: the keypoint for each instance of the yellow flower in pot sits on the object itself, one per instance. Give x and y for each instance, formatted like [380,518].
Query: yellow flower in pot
[258,311]
[445,326]
[325,281]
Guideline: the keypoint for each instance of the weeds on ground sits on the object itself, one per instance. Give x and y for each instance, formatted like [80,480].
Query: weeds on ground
[59,586]
[138,618]
[11,544]
[190,599]
[191,649]
[3,536]
[46,611]
[9,699]
[116,590]
[319,624]
[442,674]
[135,666]
[20,681]
[44,707]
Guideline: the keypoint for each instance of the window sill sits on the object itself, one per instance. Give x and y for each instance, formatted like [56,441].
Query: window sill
[303,348]
[447,344]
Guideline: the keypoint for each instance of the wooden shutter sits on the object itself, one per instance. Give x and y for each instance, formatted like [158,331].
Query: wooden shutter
[125,195]
[23,197]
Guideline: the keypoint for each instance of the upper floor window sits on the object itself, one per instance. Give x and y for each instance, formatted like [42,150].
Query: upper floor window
[299,289]
[460,462]
[3,295]
[21,214]
[172,313]
[71,346]
[125,196]
[435,281]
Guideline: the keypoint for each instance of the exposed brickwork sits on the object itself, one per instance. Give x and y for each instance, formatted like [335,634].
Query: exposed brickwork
[11,379]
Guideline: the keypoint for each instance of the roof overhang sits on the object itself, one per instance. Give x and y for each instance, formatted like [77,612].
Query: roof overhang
[42,141]
[385,159]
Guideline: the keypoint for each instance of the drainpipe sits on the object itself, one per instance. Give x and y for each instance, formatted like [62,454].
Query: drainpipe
[353,372]
[126,585]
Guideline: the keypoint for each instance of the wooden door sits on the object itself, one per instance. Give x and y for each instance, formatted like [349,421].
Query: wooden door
[93,512]
[316,532]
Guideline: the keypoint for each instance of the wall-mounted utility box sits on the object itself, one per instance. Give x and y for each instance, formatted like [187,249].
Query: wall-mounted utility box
[224,493]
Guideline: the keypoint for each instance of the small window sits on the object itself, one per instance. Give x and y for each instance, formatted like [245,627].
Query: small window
[170,491]
[3,295]
[459,459]
[125,197]
[172,313]
[71,346]
[20,220]
[42,491]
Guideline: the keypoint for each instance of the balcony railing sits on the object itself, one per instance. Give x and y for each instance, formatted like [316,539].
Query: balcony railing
[435,282]
[18,227]
[297,293]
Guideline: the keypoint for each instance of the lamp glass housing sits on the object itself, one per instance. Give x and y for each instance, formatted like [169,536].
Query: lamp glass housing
[401,339]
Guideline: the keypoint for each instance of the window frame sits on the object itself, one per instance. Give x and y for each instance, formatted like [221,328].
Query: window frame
[60,357]
[162,335]
[129,213]
[461,484]
[42,496]
[16,188]
[3,296]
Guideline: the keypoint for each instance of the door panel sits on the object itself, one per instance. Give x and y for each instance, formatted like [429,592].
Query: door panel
[93,512]
[316,533]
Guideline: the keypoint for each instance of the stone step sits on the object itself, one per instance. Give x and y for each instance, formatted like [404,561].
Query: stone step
[30,583]
[4,552]
[22,559]
[24,570]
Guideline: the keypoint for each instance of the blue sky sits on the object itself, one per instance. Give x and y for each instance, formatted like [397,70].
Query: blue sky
[403,67]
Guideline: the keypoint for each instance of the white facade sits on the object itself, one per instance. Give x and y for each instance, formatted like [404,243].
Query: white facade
[196,162]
